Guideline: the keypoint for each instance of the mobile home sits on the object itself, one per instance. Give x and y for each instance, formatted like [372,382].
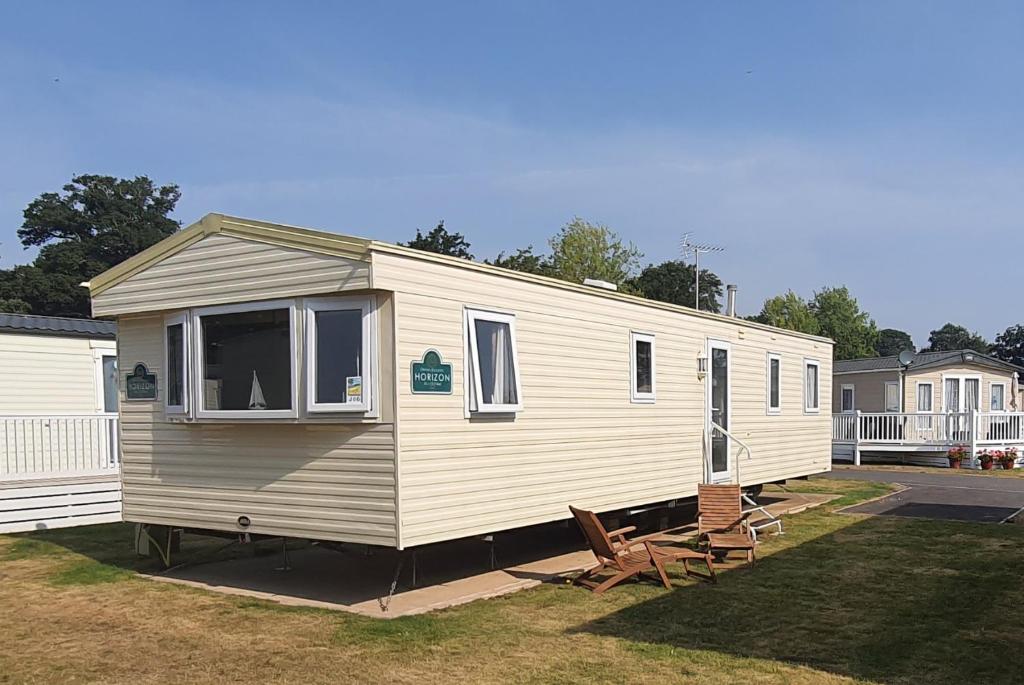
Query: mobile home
[314,385]
[58,423]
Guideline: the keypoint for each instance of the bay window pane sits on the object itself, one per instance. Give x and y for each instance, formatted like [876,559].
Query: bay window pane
[247,360]
[339,349]
[175,365]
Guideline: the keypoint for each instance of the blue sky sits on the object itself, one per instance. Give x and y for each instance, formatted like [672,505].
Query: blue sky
[877,145]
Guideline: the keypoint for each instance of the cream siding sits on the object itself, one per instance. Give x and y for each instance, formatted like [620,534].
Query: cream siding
[321,479]
[579,439]
[221,269]
[49,374]
[868,390]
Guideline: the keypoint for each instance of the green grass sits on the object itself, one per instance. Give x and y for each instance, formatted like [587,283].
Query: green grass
[837,599]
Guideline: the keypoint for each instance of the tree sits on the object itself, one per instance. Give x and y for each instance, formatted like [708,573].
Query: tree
[841,318]
[94,223]
[892,341]
[1009,345]
[583,250]
[524,260]
[952,337]
[672,281]
[440,241]
[788,311]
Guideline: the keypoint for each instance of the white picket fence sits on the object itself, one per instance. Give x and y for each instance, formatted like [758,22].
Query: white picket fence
[58,471]
[854,432]
[58,446]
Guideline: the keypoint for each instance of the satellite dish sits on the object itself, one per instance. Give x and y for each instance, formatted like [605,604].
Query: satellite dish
[906,357]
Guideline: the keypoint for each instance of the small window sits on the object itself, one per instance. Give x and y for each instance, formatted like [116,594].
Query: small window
[924,398]
[812,389]
[892,396]
[641,367]
[109,370]
[493,362]
[340,335]
[176,365]
[846,399]
[998,399]
[246,361]
[774,383]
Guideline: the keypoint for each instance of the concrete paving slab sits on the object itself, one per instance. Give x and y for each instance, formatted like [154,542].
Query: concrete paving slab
[357,580]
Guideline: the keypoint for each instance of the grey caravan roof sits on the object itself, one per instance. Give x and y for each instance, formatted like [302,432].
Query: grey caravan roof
[56,325]
[923,360]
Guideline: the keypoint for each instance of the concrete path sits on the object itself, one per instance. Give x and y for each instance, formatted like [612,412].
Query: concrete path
[357,580]
[980,497]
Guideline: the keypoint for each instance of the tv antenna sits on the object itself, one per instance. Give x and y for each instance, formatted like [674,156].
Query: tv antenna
[688,247]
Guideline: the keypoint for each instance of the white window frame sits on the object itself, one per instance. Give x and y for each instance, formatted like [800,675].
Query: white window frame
[885,397]
[101,349]
[931,397]
[962,379]
[184,319]
[635,396]
[473,381]
[367,306]
[807,408]
[853,398]
[197,349]
[991,386]
[772,356]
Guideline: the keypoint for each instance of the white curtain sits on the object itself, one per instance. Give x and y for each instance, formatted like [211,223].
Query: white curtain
[971,394]
[952,395]
[812,387]
[499,363]
[924,397]
[497,341]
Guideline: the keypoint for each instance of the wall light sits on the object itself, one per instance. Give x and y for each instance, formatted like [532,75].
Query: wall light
[702,365]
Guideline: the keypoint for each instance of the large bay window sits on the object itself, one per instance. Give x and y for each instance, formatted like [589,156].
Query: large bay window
[493,382]
[241,361]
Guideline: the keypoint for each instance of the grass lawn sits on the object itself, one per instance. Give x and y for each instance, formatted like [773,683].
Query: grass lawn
[840,598]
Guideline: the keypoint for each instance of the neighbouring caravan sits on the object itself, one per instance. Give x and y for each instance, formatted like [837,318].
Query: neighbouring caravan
[315,385]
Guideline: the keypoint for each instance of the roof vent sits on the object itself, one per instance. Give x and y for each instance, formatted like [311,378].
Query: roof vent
[597,283]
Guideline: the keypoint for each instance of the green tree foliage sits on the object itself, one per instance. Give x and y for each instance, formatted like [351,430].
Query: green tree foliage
[94,223]
[672,281]
[440,241]
[1009,345]
[788,311]
[953,337]
[892,341]
[583,250]
[524,259]
[841,318]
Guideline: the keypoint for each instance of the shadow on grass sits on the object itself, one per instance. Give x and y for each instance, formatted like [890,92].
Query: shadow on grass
[891,600]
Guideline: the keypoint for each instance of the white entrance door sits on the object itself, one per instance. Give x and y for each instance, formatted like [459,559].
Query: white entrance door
[719,410]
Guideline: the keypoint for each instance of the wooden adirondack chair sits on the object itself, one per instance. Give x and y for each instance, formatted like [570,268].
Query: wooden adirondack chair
[626,558]
[721,523]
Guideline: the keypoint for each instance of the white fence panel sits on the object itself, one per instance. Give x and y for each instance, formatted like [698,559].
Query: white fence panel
[58,446]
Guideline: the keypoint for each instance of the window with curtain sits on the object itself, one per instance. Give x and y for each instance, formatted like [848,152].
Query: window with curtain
[952,394]
[998,399]
[924,397]
[846,399]
[972,394]
[892,396]
[493,362]
[774,383]
[642,367]
[811,388]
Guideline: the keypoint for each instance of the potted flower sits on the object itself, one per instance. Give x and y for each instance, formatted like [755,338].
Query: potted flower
[986,460]
[1008,458]
[956,455]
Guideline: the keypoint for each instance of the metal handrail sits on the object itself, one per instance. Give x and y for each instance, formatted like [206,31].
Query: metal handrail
[745,446]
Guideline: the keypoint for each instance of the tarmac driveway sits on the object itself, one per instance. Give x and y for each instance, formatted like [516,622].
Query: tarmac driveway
[942,496]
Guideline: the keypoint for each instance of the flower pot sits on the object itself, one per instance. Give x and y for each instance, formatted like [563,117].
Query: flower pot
[987,465]
[1008,465]
[954,463]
